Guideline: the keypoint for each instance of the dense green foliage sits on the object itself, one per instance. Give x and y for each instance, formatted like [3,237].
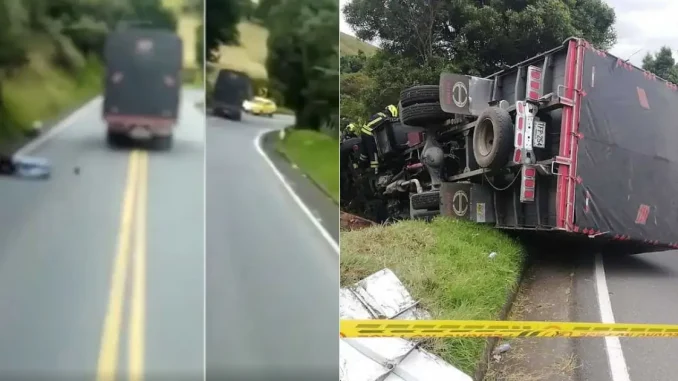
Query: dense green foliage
[69,34]
[303,59]
[420,38]
[662,64]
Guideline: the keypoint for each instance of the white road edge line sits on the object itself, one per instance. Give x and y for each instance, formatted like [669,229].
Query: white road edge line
[615,355]
[54,131]
[295,197]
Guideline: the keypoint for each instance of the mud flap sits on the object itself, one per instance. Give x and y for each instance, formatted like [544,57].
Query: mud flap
[467,201]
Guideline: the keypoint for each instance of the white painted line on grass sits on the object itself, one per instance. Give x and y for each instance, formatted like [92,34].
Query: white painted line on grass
[54,131]
[295,197]
[615,355]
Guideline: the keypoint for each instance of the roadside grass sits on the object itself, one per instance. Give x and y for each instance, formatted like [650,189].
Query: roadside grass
[41,91]
[316,154]
[445,265]
[284,111]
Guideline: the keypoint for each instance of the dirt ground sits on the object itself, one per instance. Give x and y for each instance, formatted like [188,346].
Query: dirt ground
[545,295]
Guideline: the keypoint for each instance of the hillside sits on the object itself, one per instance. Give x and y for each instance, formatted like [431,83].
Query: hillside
[250,55]
[349,45]
[186,28]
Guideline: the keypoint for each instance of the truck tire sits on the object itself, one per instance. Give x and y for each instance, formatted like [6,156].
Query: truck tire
[163,143]
[420,94]
[493,138]
[115,140]
[237,116]
[423,114]
[426,200]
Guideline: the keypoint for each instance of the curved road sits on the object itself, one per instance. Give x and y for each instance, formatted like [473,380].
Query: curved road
[102,272]
[272,276]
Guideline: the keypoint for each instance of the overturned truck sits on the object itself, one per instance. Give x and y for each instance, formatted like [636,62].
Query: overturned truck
[574,141]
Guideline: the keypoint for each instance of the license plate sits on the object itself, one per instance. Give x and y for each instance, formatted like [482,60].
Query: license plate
[140,133]
[539,135]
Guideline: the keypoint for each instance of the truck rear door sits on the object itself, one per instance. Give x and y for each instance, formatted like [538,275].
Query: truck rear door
[143,73]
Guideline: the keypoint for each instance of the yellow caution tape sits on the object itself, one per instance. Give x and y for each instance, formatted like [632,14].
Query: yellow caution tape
[493,328]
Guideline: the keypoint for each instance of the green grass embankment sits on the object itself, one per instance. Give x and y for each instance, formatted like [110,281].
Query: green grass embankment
[316,155]
[41,91]
[446,265]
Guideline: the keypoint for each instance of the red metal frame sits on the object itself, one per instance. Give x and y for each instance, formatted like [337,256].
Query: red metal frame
[569,136]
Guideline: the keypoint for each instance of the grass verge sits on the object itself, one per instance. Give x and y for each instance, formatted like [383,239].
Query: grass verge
[285,111]
[41,91]
[316,155]
[445,265]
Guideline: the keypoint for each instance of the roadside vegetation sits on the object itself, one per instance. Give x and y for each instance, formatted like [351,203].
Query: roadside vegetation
[51,54]
[316,154]
[446,265]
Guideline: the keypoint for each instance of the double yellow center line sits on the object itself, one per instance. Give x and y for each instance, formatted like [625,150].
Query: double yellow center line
[131,243]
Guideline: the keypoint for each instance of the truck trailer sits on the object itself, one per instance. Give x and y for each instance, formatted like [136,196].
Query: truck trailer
[142,86]
[575,142]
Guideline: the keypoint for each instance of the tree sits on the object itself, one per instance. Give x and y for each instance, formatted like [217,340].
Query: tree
[353,64]
[303,58]
[221,26]
[662,64]
[479,36]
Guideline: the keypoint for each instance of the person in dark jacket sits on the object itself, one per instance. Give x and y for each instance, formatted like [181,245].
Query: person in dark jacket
[367,136]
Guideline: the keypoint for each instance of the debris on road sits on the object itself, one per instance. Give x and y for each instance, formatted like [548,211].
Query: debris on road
[502,348]
[353,222]
[382,296]
[25,167]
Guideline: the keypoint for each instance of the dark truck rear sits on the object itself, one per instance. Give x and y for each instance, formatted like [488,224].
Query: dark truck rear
[231,89]
[574,141]
[142,85]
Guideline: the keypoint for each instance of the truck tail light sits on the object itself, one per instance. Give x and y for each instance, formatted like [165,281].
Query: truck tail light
[533,90]
[528,183]
[522,139]
[519,134]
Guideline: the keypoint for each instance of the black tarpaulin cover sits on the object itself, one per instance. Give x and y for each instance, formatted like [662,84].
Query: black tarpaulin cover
[627,158]
[232,88]
[143,73]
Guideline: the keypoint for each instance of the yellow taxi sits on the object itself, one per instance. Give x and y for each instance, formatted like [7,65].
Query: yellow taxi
[260,106]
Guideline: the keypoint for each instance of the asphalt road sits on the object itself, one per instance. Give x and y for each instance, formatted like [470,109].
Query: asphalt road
[641,289]
[272,278]
[103,272]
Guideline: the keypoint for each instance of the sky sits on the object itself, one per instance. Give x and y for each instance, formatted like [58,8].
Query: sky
[642,26]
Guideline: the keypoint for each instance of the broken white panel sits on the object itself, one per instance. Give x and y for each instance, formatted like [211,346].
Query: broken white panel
[382,295]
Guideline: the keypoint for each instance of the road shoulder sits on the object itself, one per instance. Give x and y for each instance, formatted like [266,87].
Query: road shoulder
[546,294]
[315,199]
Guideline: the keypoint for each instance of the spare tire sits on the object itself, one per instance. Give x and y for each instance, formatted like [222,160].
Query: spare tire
[420,94]
[423,114]
[493,138]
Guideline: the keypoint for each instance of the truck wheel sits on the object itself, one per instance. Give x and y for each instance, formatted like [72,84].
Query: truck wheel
[493,138]
[114,140]
[237,116]
[163,143]
[426,200]
[420,94]
[423,114]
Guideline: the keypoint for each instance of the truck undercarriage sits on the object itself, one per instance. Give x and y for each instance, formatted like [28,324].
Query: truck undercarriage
[550,144]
